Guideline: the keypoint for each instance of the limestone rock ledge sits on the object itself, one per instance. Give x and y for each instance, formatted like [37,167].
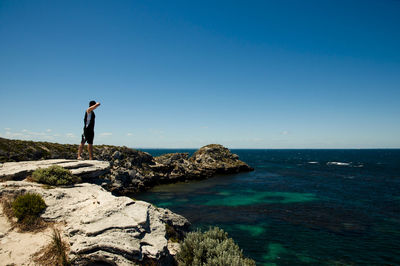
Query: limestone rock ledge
[102,228]
[82,168]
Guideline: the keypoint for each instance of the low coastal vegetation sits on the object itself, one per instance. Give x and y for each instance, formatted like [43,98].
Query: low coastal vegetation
[54,175]
[26,208]
[25,150]
[212,247]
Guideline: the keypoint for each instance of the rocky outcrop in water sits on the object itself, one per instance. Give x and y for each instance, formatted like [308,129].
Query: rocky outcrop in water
[133,170]
[142,172]
[206,162]
[216,159]
[102,228]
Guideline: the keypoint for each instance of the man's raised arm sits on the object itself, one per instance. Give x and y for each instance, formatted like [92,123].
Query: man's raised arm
[91,108]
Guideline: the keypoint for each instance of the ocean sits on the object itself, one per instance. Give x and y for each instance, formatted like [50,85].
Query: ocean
[299,207]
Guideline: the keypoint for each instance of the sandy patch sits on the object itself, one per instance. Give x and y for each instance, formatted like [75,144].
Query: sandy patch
[16,247]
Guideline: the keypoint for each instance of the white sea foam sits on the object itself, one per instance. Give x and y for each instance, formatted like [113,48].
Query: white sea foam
[312,162]
[338,163]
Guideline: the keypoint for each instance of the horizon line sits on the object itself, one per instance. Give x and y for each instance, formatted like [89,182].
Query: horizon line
[247,148]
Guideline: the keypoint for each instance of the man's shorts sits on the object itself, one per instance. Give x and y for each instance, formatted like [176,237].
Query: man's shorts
[87,136]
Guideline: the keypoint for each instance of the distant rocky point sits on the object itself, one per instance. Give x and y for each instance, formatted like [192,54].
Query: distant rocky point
[131,170]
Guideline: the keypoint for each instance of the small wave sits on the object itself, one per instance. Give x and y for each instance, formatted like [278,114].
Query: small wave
[312,162]
[338,163]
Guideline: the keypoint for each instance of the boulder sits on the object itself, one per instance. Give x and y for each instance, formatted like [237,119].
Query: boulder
[102,228]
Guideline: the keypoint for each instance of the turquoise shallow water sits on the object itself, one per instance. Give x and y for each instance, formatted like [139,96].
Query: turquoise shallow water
[300,207]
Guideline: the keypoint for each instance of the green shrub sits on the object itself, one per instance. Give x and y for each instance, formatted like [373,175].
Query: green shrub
[27,207]
[55,175]
[211,248]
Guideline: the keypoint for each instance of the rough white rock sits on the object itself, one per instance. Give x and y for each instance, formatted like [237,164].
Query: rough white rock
[104,228]
[82,168]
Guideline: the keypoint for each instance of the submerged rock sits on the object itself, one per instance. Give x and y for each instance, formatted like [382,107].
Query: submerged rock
[103,228]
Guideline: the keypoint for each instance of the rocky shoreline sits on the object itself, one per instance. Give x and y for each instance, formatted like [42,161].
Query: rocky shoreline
[133,170]
[102,228]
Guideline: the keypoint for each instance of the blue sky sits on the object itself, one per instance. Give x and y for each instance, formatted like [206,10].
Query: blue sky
[183,74]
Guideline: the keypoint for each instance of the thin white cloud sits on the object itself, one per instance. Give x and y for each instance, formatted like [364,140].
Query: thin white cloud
[156,131]
[15,135]
[26,134]
[104,134]
[285,132]
[129,134]
[7,129]
[70,135]
[37,133]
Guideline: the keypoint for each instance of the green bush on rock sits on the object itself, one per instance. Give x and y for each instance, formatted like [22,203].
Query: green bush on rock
[55,175]
[212,247]
[28,207]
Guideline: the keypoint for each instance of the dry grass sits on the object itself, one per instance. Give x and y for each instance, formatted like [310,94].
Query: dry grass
[7,207]
[54,254]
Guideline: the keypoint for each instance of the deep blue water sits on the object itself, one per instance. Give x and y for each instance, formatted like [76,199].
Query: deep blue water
[300,207]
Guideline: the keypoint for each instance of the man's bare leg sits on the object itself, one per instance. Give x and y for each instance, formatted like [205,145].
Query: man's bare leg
[90,150]
[80,149]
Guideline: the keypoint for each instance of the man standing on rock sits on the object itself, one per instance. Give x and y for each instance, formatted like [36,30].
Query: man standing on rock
[88,130]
